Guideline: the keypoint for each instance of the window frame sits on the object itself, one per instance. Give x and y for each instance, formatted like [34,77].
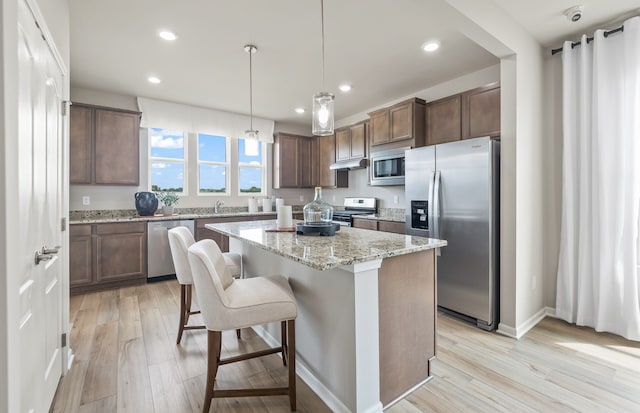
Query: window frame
[263,166]
[226,164]
[184,161]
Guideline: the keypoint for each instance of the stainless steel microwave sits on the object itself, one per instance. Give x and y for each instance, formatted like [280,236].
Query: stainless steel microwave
[387,167]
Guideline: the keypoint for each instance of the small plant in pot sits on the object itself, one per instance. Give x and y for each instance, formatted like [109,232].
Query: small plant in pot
[168,199]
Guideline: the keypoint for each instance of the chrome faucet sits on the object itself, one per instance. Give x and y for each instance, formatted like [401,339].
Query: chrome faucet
[217,206]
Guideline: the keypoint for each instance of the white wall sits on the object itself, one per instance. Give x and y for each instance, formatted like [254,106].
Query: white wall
[8,197]
[522,188]
[552,173]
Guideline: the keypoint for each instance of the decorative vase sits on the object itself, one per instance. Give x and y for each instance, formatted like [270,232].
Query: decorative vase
[146,203]
[167,210]
[318,210]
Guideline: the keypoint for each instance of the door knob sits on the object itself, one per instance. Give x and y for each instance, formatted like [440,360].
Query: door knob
[41,257]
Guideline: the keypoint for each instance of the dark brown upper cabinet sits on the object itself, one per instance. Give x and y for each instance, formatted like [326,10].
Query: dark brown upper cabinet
[467,115]
[351,142]
[328,178]
[104,146]
[295,161]
[444,120]
[481,112]
[402,122]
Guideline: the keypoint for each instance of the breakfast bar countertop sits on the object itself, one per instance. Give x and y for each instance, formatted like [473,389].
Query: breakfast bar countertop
[349,245]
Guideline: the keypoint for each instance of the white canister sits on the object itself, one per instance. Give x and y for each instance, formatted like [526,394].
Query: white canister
[266,205]
[253,205]
[279,203]
[285,218]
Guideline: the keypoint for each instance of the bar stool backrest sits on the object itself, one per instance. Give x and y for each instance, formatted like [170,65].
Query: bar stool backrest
[211,278]
[180,239]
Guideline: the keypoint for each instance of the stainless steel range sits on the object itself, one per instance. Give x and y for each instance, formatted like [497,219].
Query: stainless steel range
[354,206]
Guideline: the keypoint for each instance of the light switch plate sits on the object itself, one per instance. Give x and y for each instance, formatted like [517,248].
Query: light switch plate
[86,200]
[395,199]
[301,198]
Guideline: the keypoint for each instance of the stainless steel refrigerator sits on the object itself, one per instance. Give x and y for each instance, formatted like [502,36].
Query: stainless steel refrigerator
[452,192]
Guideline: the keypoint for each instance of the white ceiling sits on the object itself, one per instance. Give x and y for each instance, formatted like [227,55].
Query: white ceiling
[372,44]
[546,21]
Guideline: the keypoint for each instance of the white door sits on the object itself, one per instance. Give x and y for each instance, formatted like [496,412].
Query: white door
[39,180]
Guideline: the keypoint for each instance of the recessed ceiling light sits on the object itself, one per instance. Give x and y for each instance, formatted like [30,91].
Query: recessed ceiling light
[153,79]
[345,87]
[431,46]
[300,110]
[167,35]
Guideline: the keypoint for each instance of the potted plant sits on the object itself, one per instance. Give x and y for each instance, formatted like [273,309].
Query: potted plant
[168,199]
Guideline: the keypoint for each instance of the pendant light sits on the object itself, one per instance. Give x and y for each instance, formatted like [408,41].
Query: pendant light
[251,143]
[322,102]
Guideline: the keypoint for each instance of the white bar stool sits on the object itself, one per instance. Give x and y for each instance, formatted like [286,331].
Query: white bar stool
[180,239]
[229,303]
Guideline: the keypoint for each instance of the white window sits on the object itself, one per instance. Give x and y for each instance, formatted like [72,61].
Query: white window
[251,168]
[213,165]
[167,160]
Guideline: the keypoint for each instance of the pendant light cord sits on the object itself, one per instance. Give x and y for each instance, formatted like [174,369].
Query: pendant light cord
[250,89]
[322,31]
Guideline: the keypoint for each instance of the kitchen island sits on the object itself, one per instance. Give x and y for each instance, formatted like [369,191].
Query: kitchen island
[365,332]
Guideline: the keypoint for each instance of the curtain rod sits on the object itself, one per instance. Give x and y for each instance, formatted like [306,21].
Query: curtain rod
[589,39]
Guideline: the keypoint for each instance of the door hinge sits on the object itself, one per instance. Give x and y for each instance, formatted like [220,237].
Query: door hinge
[63,342]
[65,107]
[63,224]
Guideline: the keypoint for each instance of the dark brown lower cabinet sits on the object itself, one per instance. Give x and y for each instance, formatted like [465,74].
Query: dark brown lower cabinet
[80,270]
[104,256]
[379,225]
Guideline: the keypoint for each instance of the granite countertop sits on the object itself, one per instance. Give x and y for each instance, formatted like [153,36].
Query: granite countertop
[348,246]
[125,215]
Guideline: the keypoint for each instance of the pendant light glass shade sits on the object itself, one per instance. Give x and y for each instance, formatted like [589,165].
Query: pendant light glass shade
[323,114]
[251,145]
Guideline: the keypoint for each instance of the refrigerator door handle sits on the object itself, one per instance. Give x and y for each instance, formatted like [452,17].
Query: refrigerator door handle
[430,205]
[436,208]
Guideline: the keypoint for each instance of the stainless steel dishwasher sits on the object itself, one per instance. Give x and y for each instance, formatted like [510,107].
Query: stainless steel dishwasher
[159,260]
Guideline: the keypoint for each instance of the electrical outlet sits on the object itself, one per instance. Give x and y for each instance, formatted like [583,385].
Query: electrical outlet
[334,199]
[396,199]
[301,198]
[86,200]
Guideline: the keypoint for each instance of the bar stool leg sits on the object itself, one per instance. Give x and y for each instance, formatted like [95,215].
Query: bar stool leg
[214,343]
[291,356]
[189,289]
[283,341]
[183,311]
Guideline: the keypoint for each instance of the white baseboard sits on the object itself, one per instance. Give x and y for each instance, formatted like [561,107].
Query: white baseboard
[550,312]
[523,328]
[314,384]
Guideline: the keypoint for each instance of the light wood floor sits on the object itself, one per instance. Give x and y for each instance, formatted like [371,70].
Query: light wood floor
[126,360]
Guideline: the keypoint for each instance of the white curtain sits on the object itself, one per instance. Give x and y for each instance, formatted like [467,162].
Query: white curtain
[598,271]
[186,118]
